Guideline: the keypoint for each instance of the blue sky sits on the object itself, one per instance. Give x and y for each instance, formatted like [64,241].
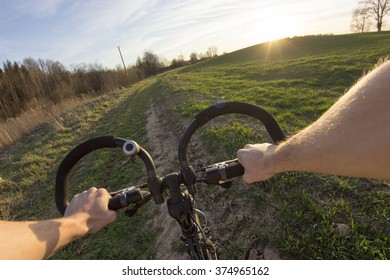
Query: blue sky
[89,31]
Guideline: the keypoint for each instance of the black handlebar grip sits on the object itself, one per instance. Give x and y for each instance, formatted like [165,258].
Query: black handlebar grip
[220,172]
[62,178]
[115,203]
[128,196]
[234,169]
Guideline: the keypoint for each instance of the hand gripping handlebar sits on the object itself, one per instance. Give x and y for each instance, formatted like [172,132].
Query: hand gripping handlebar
[129,147]
[180,202]
[214,174]
[233,169]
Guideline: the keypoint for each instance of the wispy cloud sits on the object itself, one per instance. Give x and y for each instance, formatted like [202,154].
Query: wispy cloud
[36,8]
[88,30]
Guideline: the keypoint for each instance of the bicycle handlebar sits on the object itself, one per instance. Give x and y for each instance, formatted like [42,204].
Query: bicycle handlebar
[212,112]
[213,174]
[130,148]
[62,178]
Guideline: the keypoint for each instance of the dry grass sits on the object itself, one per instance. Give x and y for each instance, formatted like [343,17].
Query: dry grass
[12,129]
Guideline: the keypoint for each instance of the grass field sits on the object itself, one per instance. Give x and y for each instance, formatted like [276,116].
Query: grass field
[291,216]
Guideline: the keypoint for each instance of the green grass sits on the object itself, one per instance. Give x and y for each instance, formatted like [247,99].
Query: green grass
[295,214]
[29,168]
[296,80]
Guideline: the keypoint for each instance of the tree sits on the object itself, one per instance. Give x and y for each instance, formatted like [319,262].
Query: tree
[7,65]
[178,62]
[361,20]
[211,52]
[193,57]
[150,64]
[378,9]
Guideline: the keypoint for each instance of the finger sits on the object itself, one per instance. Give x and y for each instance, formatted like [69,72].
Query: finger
[102,193]
[92,190]
[248,146]
[241,152]
[238,154]
[246,179]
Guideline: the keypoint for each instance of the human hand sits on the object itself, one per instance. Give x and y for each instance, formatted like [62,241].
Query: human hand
[91,208]
[258,161]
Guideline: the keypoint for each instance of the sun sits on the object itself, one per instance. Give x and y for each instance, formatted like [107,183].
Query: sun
[275,28]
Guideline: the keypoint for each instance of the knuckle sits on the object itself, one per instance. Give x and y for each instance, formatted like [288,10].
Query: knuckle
[91,190]
[101,191]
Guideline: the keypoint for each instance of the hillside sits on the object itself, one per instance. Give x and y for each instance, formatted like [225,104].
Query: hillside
[291,216]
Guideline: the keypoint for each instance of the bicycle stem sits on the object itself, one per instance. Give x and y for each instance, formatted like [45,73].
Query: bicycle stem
[179,203]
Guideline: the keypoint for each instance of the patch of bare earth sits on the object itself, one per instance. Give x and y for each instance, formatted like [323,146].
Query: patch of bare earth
[229,219]
[163,144]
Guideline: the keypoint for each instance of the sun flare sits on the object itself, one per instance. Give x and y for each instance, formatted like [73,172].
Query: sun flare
[277,28]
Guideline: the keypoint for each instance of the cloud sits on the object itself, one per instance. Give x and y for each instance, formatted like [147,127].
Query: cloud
[168,28]
[88,30]
[102,16]
[36,8]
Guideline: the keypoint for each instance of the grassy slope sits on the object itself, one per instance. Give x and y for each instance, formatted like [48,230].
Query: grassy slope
[296,80]
[295,214]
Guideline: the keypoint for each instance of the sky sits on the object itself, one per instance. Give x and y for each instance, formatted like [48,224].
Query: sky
[90,31]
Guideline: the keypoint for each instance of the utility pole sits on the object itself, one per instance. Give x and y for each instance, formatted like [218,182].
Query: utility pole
[120,53]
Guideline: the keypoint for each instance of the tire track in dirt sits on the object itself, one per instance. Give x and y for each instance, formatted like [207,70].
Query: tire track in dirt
[164,133]
[164,143]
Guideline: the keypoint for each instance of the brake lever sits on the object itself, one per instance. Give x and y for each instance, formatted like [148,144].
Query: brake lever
[133,210]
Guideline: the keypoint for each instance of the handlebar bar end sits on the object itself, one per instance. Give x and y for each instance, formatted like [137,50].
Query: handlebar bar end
[130,148]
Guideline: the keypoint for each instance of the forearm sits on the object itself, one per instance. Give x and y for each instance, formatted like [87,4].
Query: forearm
[87,212]
[37,239]
[351,139]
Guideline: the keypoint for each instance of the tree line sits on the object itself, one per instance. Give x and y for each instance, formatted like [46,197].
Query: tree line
[31,83]
[35,82]
[369,12]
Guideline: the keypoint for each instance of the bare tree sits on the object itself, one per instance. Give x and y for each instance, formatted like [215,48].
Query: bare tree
[361,20]
[43,81]
[211,52]
[378,9]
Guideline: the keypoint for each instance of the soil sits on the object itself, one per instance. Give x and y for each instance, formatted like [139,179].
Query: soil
[163,143]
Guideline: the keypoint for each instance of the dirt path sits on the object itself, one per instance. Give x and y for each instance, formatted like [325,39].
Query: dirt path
[163,142]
